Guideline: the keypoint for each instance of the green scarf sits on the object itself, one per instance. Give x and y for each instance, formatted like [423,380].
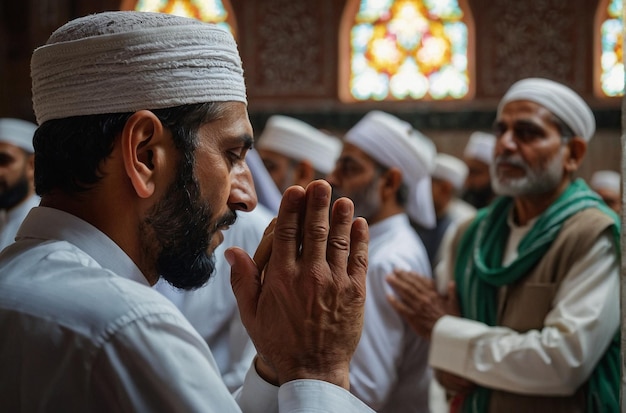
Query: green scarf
[479,274]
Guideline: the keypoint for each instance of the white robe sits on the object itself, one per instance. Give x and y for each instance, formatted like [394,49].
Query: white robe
[11,220]
[389,370]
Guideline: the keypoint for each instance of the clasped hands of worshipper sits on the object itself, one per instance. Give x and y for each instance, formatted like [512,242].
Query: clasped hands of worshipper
[302,297]
[418,301]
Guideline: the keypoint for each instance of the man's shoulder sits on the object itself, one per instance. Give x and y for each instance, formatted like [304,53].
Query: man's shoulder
[57,283]
[401,249]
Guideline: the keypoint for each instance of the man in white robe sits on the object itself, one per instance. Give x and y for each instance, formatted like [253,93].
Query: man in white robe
[384,168]
[17,186]
[140,163]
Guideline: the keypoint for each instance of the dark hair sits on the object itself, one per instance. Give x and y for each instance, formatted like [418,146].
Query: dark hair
[70,151]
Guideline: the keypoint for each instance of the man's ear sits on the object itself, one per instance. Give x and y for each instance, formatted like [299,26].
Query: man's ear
[142,148]
[391,181]
[577,147]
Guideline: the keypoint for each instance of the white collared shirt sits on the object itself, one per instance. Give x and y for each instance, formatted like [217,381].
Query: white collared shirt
[389,370]
[83,331]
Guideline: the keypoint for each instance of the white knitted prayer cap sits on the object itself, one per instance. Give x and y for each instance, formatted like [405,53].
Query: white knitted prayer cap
[300,141]
[562,101]
[18,132]
[124,61]
[394,143]
[606,180]
[450,169]
[480,146]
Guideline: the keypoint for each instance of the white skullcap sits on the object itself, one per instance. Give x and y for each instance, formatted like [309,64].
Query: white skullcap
[480,146]
[18,132]
[394,143]
[606,180]
[562,101]
[300,141]
[451,169]
[124,61]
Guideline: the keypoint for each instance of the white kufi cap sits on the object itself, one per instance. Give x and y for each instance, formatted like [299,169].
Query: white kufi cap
[451,169]
[17,132]
[562,101]
[480,146]
[606,180]
[300,141]
[394,143]
[117,62]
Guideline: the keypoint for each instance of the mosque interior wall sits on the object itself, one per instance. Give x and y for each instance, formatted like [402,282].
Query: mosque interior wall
[290,54]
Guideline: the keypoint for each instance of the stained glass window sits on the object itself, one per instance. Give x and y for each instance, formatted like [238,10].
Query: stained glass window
[611,58]
[408,49]
[206,10]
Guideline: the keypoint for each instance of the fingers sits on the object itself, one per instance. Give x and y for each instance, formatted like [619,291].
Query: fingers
[357,262]
[264,250]
[316,231]
[399,305]
[408,285]
[245,281]
[338,249]
[287,229]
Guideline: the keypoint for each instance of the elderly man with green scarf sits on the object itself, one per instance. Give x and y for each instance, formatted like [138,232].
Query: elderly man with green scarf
[529,319]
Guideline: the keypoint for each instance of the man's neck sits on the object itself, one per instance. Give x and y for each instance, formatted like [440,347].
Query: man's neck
[528,207]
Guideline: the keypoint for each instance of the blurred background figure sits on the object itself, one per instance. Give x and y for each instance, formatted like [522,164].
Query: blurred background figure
[384,168]
[608,185]
[448,178]
[266,190]
[296,153]
[17,166]
[478,155]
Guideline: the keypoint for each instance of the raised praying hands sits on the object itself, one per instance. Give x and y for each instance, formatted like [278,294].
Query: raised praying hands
[302,297]
[418,301]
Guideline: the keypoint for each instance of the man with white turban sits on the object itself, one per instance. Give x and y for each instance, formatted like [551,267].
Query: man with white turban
[478,155]
[17,166]
[140,164]
[384,168]
[448,178]
[296,153]
[608,184]
[536,325]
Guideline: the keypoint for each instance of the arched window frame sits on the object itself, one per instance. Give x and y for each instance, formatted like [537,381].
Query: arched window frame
[350,11]
[230,15]
[600,17]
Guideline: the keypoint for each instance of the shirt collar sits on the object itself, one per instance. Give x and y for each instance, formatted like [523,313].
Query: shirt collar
[53,224]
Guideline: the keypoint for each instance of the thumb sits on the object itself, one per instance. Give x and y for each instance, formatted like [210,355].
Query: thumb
[245,281]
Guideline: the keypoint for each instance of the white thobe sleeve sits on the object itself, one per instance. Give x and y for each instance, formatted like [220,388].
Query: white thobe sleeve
[555,360]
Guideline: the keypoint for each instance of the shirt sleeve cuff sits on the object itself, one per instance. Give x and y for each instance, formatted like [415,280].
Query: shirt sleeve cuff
[257,395]
[318,396]
[451,343]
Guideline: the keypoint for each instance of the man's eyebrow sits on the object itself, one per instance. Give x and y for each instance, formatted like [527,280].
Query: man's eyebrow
[246,140]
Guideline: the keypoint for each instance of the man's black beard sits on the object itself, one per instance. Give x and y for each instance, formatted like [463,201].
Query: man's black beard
[478,198]
[15,194]
[183,231]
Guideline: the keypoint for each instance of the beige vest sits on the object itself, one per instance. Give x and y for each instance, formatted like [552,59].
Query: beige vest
[523,305]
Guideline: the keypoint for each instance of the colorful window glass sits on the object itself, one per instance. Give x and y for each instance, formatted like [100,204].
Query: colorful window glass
[408,49]
[611,57]
[212,11]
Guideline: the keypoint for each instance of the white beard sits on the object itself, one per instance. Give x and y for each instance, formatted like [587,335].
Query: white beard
[536,181]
